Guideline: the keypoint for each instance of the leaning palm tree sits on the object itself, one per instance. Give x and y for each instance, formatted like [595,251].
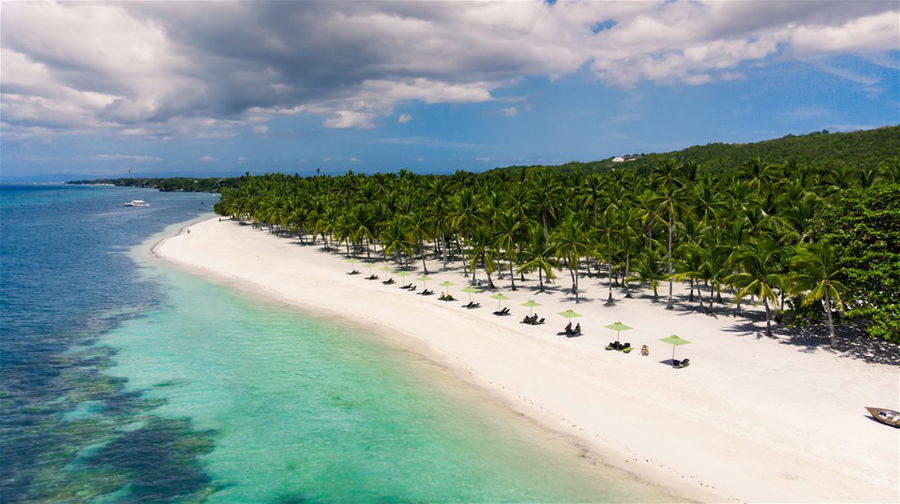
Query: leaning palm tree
[761,275]
[815,272]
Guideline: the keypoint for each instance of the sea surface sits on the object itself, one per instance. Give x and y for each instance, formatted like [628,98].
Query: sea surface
[126,380]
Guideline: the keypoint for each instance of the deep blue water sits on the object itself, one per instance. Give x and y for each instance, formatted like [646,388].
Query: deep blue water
[65,279]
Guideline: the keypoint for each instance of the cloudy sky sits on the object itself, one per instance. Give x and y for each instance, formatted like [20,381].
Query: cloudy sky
[217,88]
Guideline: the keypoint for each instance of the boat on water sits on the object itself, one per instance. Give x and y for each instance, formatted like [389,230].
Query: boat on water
[885,416]
[136,202]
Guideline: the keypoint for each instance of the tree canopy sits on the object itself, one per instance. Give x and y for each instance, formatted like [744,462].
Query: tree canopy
[748,235]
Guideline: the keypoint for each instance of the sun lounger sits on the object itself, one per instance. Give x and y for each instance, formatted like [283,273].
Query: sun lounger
[372,277]
[389,281]
[425,292]
[626,348]
[354,272]
[681,363]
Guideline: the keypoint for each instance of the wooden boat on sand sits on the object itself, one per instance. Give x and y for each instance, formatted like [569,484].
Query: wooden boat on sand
[885,416]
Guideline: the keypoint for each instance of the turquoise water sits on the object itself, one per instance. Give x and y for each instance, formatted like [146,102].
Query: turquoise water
[123,380]
[308,410]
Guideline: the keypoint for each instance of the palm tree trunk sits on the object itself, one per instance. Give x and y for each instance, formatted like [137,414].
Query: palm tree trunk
[541,278]
[609,299]
[768,317]
[669,302]
[832,339]
[512,276]
[625,275]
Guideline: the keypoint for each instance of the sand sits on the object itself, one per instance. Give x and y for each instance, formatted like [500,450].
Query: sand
[751,419]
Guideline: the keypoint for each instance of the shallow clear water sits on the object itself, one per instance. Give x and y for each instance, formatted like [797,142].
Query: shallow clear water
[150,385]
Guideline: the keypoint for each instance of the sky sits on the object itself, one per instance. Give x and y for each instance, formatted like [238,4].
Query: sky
[220,88]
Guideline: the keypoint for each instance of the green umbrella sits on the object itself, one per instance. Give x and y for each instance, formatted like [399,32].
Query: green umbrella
[499,297]
[569,314]
[471,290]
[445,284]
[618,326]
[675,340]
[403,273]
[353,260]
[424,279]
[387,268]
[531,304]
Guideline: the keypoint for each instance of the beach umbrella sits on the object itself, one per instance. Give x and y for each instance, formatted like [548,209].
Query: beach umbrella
[675,340]
[387,268]
[569,314]
[446,284]
[424,279]
[531,304]
[470,289]
[499,297]
[618,326]
[403,273]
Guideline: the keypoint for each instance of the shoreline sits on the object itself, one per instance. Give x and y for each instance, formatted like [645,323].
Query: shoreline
[675,429]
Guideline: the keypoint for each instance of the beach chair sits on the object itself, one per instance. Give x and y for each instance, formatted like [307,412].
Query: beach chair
[389,281]
[626,348]
[678,364]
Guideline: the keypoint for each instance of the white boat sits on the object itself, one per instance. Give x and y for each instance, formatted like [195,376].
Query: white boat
[136,202]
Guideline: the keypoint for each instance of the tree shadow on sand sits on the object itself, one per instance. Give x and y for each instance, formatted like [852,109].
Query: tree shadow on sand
[852,342]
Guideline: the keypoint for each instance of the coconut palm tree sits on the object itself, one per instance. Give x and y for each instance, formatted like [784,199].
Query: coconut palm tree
[571,242]
[762,274]
[815,273]
[538,256]
[507,240]
[649,268]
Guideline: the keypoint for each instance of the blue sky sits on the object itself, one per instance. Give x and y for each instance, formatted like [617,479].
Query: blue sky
[213,89]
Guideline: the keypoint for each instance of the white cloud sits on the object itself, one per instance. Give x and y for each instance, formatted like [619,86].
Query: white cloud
[207,159]
[261,129]
[509,112]
[127,158]
[205,70]
[404,118]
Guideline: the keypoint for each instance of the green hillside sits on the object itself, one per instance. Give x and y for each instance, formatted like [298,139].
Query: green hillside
[859,149]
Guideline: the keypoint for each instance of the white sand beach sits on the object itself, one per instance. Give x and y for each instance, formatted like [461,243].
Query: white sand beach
[751,419]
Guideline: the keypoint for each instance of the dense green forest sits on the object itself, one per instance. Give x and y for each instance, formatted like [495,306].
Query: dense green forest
[212,184]
[802,240]
[859,149]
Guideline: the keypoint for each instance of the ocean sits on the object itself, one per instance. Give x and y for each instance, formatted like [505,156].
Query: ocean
[125,380]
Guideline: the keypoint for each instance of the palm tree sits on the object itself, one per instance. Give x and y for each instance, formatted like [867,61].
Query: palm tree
[508,230]
[815,272]
[671,202]
[608,226]
[761,274]
[650,268]
[571,242]
[538,256]
[421,227]
[483,252]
